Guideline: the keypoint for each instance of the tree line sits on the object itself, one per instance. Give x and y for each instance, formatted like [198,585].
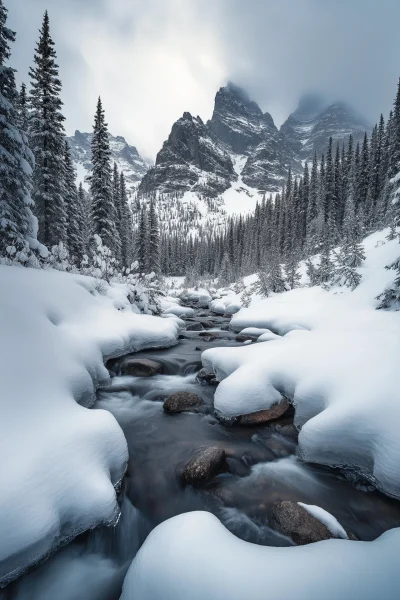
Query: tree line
[41,206]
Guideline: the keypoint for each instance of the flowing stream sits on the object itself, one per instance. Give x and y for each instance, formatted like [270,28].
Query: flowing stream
[263,469]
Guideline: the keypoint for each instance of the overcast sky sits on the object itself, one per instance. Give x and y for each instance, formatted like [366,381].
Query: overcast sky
[151,60]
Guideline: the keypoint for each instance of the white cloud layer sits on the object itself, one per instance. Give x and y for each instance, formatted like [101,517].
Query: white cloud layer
[152,60]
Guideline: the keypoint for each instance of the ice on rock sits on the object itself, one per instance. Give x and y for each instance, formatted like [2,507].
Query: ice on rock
[60,461]
[194,556]
[326,518]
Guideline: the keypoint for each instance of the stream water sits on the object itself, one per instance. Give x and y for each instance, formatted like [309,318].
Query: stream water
[263,469]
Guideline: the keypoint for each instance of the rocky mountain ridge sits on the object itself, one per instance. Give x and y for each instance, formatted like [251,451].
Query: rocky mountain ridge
[199,157]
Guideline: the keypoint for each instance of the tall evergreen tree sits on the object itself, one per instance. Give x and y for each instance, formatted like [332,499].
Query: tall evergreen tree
[74,210]
[125,226]
[103,210]
[154,239]
[16,221]
[142,241]
[351,254]
[46,135]
[23,109]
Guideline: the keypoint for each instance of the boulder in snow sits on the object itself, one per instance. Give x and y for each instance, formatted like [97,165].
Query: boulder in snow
[305,526]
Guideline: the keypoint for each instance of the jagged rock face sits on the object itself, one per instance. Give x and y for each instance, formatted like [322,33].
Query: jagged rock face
[238,122]
[309,128]
[267,165]
[191,159]
[125,156]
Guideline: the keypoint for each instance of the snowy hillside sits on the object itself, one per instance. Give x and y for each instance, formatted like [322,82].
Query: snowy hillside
[126,157]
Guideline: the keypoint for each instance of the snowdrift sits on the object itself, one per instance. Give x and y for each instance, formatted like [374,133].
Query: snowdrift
[60,461]
[194,556]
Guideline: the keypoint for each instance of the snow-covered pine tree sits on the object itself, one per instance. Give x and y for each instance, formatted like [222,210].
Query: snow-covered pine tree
[325,269]
[74,210]
[125,229]
[46,137]
[23,110]
[154,239]
[86,209]
[293,276]
[103,210]
[142,254]
[116,200]
[17,224]
[351,254]
[225,275]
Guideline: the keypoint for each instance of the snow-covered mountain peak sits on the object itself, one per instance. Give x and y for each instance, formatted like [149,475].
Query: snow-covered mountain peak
[238,121]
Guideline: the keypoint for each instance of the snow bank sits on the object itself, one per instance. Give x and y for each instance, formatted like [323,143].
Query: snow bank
[337,362]
[229,304]
[256,331]
[179,311]
[326,518]
[194,556]
[268,336]
[60,461]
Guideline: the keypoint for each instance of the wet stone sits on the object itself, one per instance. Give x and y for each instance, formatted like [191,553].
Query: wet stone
[206,378]
[194,327]
[140,367]
[296,522]
[263,416]
[181,402]
[204,466]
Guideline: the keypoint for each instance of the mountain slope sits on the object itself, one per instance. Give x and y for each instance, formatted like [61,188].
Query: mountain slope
[192,159]
[309,127]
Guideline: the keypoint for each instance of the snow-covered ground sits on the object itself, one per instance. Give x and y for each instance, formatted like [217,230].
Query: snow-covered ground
[193,556]
[59,460]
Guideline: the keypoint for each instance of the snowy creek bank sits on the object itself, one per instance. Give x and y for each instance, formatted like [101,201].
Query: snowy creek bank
[191,461]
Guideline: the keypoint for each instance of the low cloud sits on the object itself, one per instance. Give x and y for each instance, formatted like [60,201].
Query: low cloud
[150,61]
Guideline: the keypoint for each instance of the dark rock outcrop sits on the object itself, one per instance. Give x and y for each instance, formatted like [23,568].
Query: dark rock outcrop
[191,159]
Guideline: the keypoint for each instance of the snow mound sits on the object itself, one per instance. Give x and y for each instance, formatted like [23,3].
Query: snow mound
[326,518]
[179,311]
[196,557]
[268,336]
[256,332]
[229,304]
[337,362]
[61,461]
